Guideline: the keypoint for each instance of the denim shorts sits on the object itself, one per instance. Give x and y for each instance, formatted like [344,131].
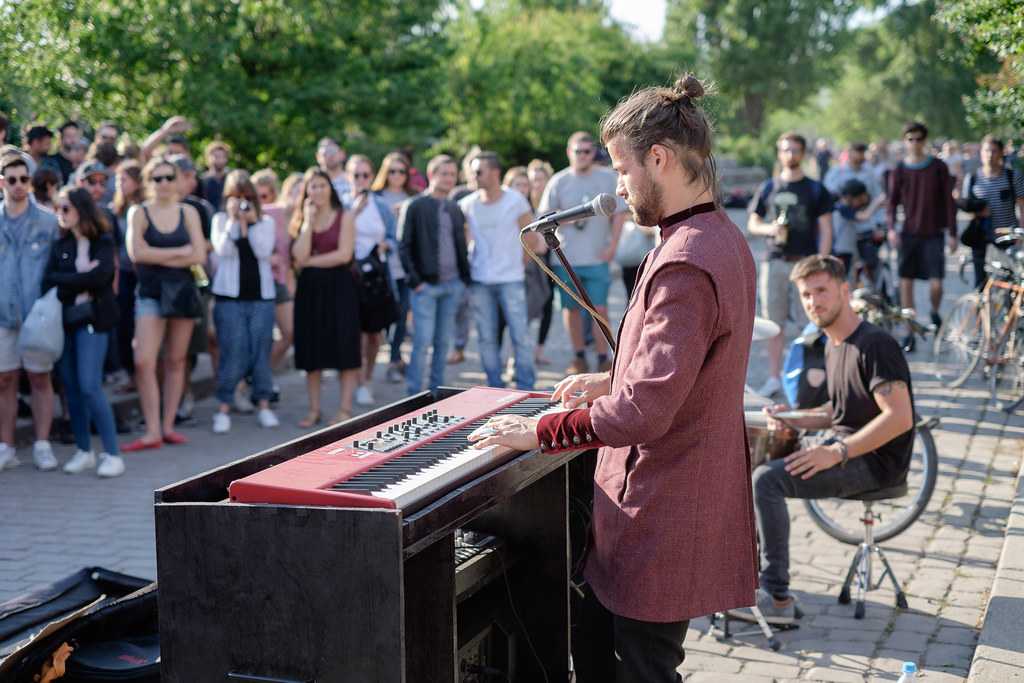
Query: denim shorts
[145,306]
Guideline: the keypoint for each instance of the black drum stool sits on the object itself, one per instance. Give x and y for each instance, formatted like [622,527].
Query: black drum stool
[860,567]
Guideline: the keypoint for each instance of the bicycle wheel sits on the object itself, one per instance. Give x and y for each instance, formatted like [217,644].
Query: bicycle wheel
[1006,378]
[956,350]
[841,519]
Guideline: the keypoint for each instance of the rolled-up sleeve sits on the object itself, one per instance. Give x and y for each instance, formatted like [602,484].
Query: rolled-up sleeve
[678,329]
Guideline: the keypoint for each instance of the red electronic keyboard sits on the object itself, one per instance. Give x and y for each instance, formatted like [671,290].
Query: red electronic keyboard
[403,463]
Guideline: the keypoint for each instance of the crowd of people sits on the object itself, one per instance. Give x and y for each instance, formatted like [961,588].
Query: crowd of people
[156,263]
[905,196]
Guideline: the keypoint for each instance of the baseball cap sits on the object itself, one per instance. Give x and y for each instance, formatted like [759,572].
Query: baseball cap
[182,162]
[92,168]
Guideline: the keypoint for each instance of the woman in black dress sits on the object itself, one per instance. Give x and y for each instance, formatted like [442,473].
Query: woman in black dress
[327,330]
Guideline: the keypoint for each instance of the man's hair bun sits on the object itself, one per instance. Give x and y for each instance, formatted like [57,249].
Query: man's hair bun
[689,86]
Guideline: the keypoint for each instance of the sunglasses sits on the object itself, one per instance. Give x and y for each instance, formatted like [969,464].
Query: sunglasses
[914,139]
[397,171]
[583,151]
[361,176]
[96,181]
[65,208]
[16,179]
[163,178]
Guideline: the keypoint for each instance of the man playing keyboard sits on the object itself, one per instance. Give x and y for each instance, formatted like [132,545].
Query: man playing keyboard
[672,536]
[868,427]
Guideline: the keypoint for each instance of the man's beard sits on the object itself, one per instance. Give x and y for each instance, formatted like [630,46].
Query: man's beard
[827,319]
[645,203]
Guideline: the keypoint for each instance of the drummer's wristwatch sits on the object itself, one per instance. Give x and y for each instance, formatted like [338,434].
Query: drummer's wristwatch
[844,452]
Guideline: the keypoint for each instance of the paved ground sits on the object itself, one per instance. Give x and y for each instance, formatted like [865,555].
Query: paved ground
[55,524]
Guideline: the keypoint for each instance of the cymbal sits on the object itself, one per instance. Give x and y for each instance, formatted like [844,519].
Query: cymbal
[765,329]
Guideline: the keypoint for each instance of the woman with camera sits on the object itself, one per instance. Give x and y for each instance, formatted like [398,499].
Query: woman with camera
[326,299]
[243,238]
[375,243]
[81,267]
[165,239]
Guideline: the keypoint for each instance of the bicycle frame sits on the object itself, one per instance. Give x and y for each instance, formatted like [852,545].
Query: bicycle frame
[1012,315]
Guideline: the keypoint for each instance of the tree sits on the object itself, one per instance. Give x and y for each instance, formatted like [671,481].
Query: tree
[993,27]
[764,56]
[907,66]
[267,76]
[521,80]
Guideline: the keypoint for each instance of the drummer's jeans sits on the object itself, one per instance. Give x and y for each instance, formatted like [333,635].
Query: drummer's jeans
[772,486]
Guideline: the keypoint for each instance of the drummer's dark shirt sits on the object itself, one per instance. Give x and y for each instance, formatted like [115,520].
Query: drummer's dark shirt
[865,360]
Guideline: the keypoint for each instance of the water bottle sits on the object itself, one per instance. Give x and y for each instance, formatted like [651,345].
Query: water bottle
[909,673]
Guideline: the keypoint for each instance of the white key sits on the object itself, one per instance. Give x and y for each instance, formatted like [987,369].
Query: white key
[445,474]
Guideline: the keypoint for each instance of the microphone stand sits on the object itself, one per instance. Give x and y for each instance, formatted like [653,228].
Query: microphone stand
[555,245]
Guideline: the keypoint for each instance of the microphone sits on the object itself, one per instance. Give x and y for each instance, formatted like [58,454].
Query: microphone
[601,205]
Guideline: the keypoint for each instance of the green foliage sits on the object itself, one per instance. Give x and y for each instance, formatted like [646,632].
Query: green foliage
[764,55]
[521,80]
[994,27]
[267,76]
[907,66]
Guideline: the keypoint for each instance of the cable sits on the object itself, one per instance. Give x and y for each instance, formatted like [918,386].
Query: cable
[568,289]
[515,613]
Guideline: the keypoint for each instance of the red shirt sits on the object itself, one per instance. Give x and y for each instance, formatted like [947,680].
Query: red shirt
[673,529]
[927,198]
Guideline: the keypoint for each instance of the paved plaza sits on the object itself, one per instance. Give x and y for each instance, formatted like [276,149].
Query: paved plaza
[55,524]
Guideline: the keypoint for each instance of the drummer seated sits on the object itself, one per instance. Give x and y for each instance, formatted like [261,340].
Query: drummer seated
[865,431]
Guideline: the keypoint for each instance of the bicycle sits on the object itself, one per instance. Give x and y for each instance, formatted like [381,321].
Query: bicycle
[984,326]
[881,311]
[841,519]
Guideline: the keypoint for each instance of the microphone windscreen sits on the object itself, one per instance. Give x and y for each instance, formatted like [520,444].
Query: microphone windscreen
[604,205]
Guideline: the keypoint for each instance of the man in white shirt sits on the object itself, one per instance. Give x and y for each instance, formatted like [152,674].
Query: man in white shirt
[495,218]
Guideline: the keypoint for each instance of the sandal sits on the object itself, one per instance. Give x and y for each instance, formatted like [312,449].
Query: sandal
[175,439]
[140,445]
[312,419]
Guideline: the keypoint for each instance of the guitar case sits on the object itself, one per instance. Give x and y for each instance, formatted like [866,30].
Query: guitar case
[108,619]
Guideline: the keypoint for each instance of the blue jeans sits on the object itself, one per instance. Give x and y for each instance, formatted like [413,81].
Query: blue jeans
[510,299]
[773,485]
[81,370]
[433,317]
[245,333]
[398,331]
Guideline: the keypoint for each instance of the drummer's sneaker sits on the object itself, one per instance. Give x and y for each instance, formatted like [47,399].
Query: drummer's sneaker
[771,386]
[777,612]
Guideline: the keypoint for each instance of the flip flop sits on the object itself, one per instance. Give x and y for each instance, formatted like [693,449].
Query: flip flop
[311,420]
[175,439]
[140,445]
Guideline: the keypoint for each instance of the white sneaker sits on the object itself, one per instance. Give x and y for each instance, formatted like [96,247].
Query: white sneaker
[242,403]
[8,457]
[110,465]
[42,454]
[79,462]
[267,419]
[363,396]
[771,386]
[187,405]
[221,423]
